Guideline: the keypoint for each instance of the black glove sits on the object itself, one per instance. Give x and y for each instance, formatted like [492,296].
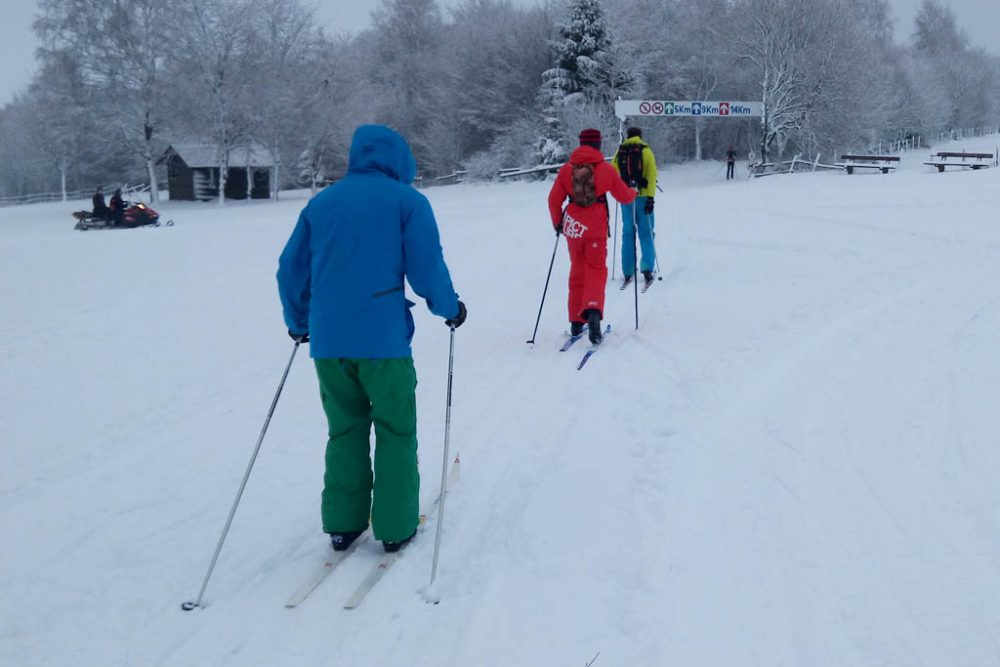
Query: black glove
[649,206]
[457,321]
[299,337]
[559,229]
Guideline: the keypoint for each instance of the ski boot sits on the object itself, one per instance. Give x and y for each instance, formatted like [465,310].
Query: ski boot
[393,547]
[341,541]
[594,326]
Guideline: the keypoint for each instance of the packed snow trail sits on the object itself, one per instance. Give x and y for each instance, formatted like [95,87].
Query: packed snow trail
[791,462]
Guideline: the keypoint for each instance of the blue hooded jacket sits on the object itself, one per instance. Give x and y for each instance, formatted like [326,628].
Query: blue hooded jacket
[340,276]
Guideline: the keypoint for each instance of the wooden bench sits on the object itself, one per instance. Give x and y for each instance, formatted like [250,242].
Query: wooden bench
[883,163]
[958,159]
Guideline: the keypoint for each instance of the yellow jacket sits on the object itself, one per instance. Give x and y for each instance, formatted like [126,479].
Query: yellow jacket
[648,167]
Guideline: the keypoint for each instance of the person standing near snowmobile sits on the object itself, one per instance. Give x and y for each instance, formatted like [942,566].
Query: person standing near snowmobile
[635,162]
[117,209]
[341,282]
[101,209]
[586,181]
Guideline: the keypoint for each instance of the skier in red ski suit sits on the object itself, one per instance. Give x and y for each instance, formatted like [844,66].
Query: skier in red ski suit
[586,231]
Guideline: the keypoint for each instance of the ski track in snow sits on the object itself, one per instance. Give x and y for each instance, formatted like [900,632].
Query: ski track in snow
[791,462]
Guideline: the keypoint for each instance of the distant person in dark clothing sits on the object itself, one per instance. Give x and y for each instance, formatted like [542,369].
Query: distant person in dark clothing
[117,207]
[101,209]
[730,163]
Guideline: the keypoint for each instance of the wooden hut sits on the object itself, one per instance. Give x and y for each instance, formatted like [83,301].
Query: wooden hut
[193,172]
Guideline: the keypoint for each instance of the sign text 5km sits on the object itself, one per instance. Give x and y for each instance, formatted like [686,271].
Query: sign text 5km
[728,109]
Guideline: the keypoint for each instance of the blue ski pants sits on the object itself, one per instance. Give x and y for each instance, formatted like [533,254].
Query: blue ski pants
[645,223]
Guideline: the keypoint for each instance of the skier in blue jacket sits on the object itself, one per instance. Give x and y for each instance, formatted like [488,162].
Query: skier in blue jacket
[340,278]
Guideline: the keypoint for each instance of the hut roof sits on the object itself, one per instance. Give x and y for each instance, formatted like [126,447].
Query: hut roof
[206,155]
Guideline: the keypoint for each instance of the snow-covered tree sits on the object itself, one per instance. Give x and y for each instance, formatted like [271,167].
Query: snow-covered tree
[287,41]
[700,63]
[588,75]
[340,98]
[496,71]
[216,66]
[120,47]
[25,167]
[798,61]
[936,32]
[60,124]
[491,83]
[412,76]
[586,68]
[962,75]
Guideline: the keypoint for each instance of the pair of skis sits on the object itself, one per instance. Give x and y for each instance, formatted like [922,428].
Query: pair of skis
[378,570]
[646,284]
[590,352]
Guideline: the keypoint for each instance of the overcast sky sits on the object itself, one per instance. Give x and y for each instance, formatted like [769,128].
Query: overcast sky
[980,18]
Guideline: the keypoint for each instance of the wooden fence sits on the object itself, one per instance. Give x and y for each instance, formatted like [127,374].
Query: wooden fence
[795,165]
[128,192]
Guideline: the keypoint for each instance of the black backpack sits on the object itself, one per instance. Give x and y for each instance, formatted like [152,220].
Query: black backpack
[630,165]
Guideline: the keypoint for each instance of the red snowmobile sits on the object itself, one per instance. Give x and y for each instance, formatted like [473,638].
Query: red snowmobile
[135,215]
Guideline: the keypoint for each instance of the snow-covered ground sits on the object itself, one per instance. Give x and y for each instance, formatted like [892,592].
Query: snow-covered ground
[792,462]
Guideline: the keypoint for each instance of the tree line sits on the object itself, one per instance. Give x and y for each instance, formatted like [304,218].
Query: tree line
[486,85]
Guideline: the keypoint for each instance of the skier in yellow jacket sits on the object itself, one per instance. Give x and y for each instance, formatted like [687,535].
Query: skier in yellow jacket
[636,164]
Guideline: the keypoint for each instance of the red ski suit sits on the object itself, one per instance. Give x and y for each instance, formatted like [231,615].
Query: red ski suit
[586,229]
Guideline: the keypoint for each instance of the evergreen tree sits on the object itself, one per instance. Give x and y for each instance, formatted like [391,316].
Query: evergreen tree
[586,68]
[586,74]
[119,49]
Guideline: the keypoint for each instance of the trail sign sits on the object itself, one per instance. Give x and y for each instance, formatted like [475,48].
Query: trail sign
[693,108]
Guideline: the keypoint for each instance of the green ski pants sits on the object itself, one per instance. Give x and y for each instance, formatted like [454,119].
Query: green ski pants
[357,393]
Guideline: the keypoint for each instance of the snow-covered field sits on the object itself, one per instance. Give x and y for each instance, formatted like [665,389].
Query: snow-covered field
[792,462]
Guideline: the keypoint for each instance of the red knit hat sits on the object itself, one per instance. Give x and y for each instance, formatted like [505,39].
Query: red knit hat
[590,137]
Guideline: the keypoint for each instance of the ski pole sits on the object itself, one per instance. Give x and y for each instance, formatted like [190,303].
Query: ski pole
[635,253]
[188,606]
[444,471]
[614,252]
[652,233]
[545,291]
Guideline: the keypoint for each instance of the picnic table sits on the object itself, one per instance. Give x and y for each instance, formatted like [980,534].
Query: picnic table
[883,163]
[960,159]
